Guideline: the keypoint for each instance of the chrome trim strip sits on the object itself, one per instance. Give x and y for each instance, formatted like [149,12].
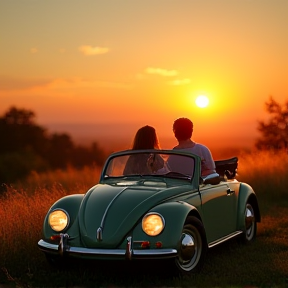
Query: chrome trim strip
[116,253]
[106,210]
[155,252]
[223,239]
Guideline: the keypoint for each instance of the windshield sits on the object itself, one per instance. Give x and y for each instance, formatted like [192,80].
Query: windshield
[152,164]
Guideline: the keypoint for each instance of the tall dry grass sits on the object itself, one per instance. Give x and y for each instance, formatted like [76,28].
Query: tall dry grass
[266,172]
[69,178]
[24,206]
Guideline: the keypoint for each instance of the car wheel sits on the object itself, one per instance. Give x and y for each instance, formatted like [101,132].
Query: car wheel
[192,247]
[250,224]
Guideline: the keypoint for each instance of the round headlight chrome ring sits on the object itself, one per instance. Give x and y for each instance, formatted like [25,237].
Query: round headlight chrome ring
[58,219]
[153,223]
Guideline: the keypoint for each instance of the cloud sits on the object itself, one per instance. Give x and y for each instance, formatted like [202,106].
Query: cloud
[177,82]
[34,50]
[89,50]
[162,72]
[165,73]
[9,83]
[74,83]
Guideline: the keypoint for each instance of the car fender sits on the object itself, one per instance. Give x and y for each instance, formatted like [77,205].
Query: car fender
[246,194]
[70,204]
[175,215]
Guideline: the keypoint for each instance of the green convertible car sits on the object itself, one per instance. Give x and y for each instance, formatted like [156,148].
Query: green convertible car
[152,204]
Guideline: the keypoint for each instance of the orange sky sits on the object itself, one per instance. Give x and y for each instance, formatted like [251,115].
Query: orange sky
[101,69]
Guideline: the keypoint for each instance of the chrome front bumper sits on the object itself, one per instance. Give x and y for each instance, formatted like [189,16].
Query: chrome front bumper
[64,249]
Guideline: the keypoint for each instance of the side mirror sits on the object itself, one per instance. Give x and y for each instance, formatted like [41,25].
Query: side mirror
[212,179]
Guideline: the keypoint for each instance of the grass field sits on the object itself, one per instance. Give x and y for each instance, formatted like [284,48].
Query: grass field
[263,263]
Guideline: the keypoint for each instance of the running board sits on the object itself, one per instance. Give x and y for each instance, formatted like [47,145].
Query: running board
[223,239]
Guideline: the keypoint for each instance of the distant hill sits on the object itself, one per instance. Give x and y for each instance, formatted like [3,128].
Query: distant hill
[112,137]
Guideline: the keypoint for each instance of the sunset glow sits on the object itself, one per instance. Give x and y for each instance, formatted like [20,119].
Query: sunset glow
[100,75]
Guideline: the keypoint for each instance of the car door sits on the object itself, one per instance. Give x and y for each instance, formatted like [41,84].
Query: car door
[219,206]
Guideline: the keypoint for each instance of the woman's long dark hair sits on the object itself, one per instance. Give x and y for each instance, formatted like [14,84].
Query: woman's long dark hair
[146,138]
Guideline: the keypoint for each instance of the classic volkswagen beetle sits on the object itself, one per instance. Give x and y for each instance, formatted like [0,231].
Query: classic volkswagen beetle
[152,209]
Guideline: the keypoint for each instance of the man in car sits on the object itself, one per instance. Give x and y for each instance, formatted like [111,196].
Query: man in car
[183,130]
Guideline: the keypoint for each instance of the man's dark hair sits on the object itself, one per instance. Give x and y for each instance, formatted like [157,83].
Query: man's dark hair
[183,128]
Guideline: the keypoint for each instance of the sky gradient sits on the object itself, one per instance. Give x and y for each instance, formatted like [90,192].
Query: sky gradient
[102,69]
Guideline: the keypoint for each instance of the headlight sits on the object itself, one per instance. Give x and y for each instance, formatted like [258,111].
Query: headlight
[58,220]
[153,224]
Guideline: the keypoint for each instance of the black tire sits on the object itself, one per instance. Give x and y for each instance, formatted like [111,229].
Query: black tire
[250,224]
[192,247]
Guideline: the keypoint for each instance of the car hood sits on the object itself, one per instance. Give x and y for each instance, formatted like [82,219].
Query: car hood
[114,210]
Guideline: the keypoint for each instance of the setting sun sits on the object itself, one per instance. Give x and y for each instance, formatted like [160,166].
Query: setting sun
[202,101]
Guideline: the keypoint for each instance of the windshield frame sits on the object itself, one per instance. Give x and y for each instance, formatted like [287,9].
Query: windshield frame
[196,174]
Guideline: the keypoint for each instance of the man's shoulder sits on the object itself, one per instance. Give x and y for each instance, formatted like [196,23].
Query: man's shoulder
[199,145]
[203,148]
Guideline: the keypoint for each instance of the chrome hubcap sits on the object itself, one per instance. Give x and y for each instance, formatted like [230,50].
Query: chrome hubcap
[187,249]
[249,221]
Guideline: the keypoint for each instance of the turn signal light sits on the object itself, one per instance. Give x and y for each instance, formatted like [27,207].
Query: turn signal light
[55,237]
[158,244]
[145,244]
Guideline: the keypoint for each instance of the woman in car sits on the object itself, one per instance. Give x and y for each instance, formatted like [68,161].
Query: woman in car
[145,138]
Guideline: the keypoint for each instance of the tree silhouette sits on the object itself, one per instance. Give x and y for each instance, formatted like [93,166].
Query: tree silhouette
[60,150]
[26,146]
[275,130]
[22,145]
[20,132]
[88,155]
